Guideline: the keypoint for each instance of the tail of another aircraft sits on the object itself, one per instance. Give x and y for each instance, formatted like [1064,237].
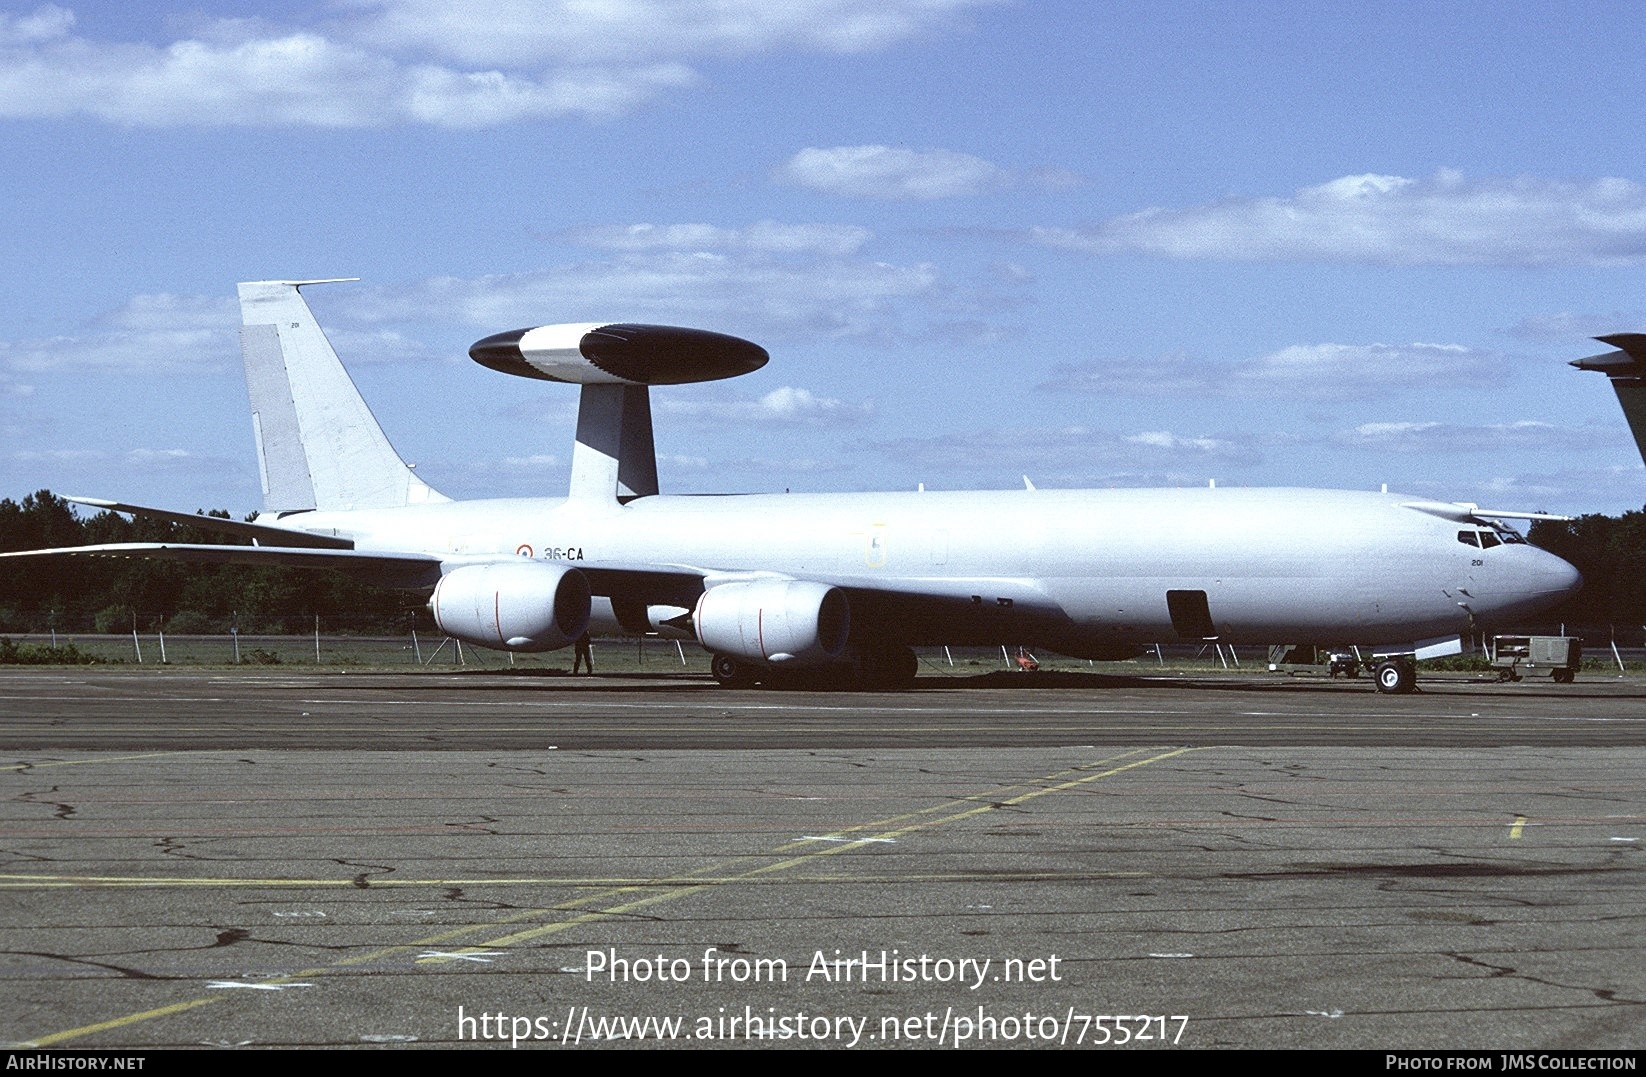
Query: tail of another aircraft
[1626,367]
[318,445]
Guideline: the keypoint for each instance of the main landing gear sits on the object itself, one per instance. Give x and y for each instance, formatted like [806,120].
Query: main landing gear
[733,672]
[879,669]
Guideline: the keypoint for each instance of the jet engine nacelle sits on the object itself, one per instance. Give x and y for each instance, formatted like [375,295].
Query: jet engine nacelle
[618,354]
[513,606]
[785,622]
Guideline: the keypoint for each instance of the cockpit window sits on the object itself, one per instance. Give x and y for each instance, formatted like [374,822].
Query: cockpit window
[1498,536]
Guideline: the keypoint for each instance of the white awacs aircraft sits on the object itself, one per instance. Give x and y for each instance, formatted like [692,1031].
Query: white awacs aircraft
[841,585]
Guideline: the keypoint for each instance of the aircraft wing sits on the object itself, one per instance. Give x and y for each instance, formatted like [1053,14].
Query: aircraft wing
[409,570]
[948,610]
[908,607]
[678,584]
[672,585]
[1467,512]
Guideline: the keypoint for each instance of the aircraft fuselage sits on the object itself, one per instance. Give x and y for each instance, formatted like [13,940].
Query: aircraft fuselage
[1077,571]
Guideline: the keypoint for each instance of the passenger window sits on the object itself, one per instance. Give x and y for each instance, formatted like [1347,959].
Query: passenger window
[1468,538]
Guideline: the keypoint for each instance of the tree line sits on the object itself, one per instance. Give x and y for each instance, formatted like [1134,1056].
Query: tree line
[1610,551]
[116,595]
[87,594]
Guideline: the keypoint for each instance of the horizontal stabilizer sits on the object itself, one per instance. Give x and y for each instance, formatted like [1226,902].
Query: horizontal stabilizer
[1631,344]
[260,533]
[1629,361]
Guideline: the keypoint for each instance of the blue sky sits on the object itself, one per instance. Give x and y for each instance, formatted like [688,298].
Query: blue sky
[1101,244]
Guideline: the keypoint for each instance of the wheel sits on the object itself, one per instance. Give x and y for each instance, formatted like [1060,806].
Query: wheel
[731,673]
[1396,677]
[1565,676]
[890,668]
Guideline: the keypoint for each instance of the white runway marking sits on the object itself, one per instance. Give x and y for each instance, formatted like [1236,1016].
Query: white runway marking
[252,987]
[483,957]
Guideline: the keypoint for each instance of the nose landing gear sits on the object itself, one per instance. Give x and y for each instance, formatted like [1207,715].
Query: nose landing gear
[1397,676]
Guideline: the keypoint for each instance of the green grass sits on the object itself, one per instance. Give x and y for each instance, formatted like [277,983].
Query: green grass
[363,652]
[653,656]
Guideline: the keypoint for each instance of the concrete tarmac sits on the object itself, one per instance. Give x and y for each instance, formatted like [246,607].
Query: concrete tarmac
[295,859]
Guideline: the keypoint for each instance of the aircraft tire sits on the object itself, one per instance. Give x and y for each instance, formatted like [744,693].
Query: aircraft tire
[731,673]
[888,669]
[1396,678]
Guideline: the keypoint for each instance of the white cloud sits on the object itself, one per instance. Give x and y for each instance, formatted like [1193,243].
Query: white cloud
[384,346]
[771,237]
[783,406]
[56,456]
[1575,490]
[166,312]
[477,64]
[1576,329]
[152,352]
[132,461]
[299,79]
[170,334]
[774,471]
[737,292]
[1436,437]
[678,462]
[1393,220]
[1165,439]
[149,334]
[1078,452]
[1306,370]
[178,460]
[46,23]
[1321,369]
[1166,375]
[524,31]
[894,173]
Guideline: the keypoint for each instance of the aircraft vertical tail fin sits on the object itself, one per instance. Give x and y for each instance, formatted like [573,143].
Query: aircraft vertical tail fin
[318,445]
[1626,368]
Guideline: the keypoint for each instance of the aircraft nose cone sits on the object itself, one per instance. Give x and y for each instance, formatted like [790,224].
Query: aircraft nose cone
[1547,581]
[1563,578]
[1533,581]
